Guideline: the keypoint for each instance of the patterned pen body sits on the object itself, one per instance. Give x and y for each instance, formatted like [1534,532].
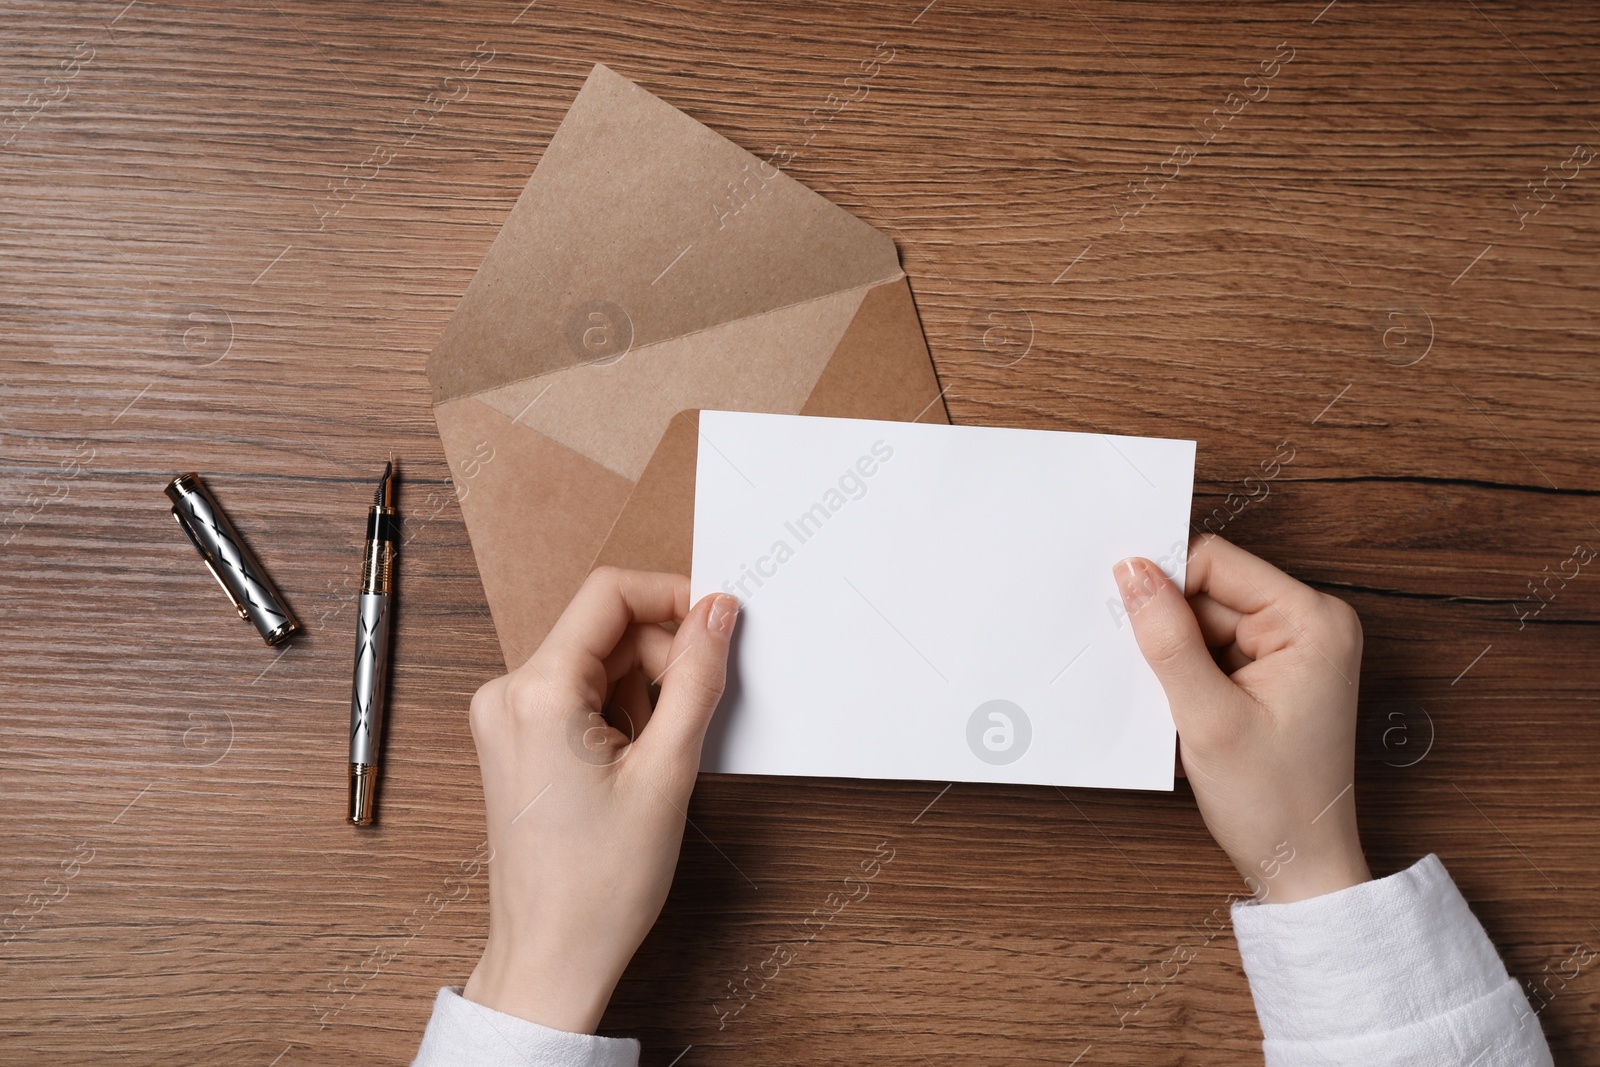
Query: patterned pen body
[372,653]
[229,559]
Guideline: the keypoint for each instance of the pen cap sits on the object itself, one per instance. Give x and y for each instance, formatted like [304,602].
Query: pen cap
[229,559]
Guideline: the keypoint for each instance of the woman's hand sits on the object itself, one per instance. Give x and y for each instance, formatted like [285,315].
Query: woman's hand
[585,819]
[1267,738]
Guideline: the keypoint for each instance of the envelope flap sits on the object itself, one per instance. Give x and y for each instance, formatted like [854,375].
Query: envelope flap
[655,530]
[641,225]
[615,414]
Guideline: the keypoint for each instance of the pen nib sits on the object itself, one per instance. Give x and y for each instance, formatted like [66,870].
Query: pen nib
[383,497]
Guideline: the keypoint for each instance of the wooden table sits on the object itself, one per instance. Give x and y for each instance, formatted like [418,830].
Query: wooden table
[1382,252]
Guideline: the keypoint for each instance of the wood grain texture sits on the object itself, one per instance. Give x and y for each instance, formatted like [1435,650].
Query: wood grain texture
[206,268]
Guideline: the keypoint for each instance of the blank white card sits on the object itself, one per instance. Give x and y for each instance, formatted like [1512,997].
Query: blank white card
[936,602]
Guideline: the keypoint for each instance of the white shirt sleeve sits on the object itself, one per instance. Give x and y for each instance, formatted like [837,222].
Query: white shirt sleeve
[462,1033]
[1393,971]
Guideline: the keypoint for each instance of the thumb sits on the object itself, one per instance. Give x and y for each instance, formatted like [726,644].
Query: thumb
[692,683]
[1170,639]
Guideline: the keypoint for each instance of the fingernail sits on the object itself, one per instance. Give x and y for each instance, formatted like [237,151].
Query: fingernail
[1136,583]
[724,610]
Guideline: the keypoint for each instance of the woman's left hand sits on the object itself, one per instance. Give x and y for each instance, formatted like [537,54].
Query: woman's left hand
[586,819]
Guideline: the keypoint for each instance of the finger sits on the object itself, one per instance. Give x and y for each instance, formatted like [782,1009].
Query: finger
[611,600]
[1169,638]
[1231,658]
[643,647]
[597,736]
[1219,624]
[691,685]
[1236,579]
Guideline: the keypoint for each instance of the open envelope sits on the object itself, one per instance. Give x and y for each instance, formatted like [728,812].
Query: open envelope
[651,268]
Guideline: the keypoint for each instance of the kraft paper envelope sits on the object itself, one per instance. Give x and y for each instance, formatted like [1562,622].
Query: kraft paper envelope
[651,268]
[936,602]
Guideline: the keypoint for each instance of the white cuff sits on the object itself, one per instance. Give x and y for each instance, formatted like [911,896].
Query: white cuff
[1396,970]
[465,1034]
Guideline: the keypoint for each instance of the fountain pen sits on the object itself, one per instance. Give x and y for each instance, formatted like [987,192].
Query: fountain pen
[372,650]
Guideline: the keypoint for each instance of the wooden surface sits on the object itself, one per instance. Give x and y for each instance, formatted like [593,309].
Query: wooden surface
[206,267]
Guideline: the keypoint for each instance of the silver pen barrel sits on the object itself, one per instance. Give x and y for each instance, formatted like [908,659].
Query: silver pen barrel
[372,652]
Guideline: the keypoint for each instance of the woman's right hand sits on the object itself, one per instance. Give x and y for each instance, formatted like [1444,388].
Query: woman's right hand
[1261,672]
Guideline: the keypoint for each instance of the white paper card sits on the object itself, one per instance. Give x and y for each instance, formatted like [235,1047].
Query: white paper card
[936,602]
